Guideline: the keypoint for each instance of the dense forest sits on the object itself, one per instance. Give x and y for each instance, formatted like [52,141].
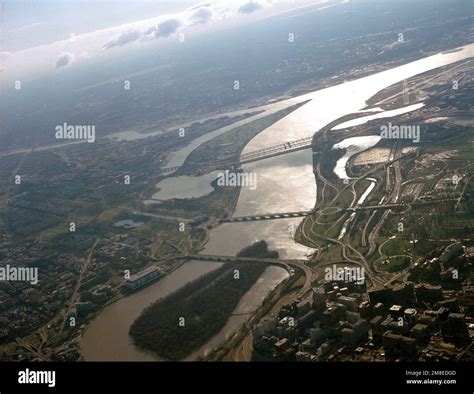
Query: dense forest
[182,322]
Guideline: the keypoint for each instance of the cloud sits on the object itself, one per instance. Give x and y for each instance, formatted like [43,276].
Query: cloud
[3,58]
[24,28]
[64,59]
[123,39]
[166,28]
[252,6]
[40,58]
[199,6]
[163,29]
[4,55]
[201,16]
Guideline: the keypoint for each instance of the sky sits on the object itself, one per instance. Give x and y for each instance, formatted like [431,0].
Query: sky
[50,35]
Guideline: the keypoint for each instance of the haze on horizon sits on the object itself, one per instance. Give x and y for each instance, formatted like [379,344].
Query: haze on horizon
[36,41]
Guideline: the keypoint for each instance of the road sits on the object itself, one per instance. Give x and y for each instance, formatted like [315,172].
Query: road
[75,295]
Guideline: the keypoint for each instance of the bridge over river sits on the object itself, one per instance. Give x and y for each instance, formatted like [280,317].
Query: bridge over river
[296,214]
[261,154]
[267,216]
[284,263]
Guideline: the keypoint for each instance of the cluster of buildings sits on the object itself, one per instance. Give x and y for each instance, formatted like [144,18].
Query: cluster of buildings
[25,306]
[342,321]
[446,267]
[93,299]
[307,330]
[142,278]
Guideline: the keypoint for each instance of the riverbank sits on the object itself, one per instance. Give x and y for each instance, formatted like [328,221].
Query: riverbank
[291,176]
[106,338]
[185,320]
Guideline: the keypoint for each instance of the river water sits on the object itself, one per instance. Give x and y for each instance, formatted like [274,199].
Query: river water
[352,146]
[285,183]
[379,115]
[106,338]
[247,305]
[185,186]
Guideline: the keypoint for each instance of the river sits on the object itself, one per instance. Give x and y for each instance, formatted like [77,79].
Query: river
[251,300]
[285,183]
[107,339]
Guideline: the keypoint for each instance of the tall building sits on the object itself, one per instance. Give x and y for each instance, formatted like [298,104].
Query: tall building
[142,278]
[454,329]
[399,346]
